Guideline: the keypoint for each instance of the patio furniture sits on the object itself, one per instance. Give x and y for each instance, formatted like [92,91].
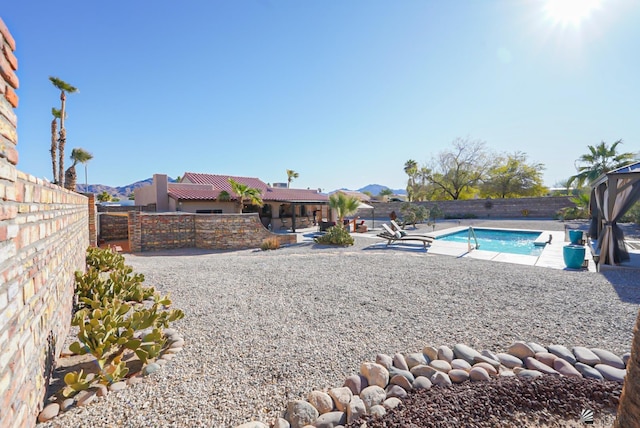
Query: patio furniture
[283,224]
[394,236]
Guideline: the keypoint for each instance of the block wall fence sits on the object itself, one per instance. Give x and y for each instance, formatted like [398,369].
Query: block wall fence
[44,234]
[543,207]
[164,231]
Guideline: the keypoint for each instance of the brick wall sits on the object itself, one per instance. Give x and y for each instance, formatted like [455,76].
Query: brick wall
[44,234]
[114,226]
[114,221]
[544,207]
[163,231]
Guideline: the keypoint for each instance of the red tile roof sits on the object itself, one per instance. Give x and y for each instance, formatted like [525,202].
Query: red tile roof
[193,191]
[195,186]
[221,182]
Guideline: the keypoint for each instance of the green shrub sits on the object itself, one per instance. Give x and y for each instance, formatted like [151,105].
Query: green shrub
[336,235]
[271,243]
[412,214]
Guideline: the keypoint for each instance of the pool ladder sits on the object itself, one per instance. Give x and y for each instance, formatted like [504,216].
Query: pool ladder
[472,233]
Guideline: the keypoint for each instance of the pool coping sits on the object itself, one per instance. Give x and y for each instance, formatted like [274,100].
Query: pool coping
[551,256]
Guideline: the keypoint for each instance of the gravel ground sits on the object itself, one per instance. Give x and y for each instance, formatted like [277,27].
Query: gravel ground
[262,328]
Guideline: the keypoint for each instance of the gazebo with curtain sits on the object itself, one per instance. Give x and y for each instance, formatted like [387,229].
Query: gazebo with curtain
[611,197]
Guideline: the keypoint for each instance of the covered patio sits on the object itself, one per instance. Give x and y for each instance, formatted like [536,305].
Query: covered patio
[612,195]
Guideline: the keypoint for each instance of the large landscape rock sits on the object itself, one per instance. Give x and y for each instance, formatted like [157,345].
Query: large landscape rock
[301,413]
[465,352]
[375,374]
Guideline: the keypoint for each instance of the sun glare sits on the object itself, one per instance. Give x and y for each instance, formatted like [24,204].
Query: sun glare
[570,12]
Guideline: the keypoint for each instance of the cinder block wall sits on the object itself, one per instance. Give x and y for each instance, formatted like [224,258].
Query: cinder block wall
[164,231]
[44,234]
[544,207]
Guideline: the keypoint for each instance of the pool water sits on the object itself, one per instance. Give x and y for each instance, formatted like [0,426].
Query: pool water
[501,241]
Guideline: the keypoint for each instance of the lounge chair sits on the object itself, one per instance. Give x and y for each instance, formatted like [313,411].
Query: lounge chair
[393,236]
[396,226]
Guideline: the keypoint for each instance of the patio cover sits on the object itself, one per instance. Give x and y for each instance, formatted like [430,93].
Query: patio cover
[611,197]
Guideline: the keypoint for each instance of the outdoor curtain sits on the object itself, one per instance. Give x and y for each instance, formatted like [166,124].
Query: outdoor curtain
[626,192]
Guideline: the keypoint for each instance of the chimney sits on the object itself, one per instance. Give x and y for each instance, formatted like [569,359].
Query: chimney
[161,184]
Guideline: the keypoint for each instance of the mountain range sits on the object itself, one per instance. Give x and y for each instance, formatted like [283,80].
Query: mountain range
[123,192]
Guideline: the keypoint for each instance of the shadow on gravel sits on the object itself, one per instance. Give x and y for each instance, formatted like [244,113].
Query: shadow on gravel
[622,279]
[396,247]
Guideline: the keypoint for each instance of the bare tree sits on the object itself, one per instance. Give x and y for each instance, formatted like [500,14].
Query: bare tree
[459,169]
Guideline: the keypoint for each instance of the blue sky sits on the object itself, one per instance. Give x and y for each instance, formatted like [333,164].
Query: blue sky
[343,92]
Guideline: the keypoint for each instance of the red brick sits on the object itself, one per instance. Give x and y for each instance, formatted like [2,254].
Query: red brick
[11,96]
[11,58]
[7,35]
[7,72]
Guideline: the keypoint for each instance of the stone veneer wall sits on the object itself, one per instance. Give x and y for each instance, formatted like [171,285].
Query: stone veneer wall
[543,207]
[44,234]
[163,231]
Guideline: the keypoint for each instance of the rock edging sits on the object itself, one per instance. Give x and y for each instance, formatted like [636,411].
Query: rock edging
[381,385]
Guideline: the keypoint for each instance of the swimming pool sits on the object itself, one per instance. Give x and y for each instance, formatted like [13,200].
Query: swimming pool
[499,240]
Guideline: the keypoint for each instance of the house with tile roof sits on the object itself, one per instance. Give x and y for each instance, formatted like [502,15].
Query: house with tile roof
[199,193]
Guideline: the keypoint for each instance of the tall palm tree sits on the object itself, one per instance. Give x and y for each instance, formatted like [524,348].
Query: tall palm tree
[64,88]
[411,169]
[599,160]
[629,405]
[245,193]
[54,143]
[77,156]
[344,205]
[291,175]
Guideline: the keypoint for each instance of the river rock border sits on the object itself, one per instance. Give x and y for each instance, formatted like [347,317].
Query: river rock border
[381,385]
[59,404]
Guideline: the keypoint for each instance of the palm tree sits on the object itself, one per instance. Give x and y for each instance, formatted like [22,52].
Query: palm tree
[245,193]
[600,159]
[104,197]
[77,156]
[629,406]
[291,175]
[344,205]
[54,143]
[411,169]
[64,88]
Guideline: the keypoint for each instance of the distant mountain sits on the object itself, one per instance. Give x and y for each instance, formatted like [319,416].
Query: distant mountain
[121,192]
[375,189]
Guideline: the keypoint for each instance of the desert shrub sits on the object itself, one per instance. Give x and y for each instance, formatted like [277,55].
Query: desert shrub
[580,210]
[336,235]
[412,214]
[271,243]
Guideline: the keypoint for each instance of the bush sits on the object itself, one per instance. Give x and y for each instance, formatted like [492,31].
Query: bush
[270,244]
[336,235]
[412,214]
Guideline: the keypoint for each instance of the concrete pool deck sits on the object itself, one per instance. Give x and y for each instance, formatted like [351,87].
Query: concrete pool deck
[551,256]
